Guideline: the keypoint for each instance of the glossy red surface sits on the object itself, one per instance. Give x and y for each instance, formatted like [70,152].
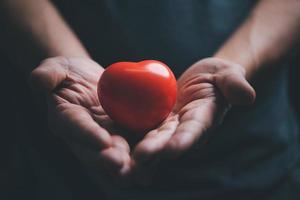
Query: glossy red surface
[137,96]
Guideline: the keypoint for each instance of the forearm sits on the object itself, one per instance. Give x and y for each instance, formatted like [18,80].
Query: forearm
[266,36]
[34,30]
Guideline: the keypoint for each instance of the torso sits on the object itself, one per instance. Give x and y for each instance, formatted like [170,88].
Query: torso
[254,151]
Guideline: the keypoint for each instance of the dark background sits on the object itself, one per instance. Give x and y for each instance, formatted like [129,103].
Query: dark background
[23,133]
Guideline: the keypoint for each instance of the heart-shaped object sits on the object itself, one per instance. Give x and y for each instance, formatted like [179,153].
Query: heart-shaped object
[137,95]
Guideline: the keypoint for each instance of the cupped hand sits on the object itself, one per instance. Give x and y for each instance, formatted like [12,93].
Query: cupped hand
[205,92]
[75,114]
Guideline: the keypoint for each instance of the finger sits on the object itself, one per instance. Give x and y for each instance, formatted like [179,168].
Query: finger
[120,143]
[73,122]
[118,163]
[235,87]
[155,141]
[195,119]
[229,77]
[111,159]
[104,120]
[50,73]
[147,153]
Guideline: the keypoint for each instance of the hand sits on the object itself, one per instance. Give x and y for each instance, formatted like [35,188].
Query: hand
[76,116]
[205,92]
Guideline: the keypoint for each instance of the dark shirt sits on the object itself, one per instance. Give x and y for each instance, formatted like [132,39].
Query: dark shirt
[254,154]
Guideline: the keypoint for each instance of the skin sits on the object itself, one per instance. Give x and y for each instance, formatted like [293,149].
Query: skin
[205,90]
[76,116]
[254,47]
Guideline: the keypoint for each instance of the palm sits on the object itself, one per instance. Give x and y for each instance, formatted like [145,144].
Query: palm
[198,108]
[79,87]
[75,113]
[76,96]
[204,91]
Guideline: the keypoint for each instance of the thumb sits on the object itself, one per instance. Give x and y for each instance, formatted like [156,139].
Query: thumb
[235,87]
[49,74]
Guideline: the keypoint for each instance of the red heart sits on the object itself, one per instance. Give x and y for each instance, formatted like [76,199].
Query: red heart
[137,96]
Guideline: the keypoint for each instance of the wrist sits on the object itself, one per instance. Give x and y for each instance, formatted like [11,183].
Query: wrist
[69,49]
[246,60]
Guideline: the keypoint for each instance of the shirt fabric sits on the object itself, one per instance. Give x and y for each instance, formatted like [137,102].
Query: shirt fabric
[254,154]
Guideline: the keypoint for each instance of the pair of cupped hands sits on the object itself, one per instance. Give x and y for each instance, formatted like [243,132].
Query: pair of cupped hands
[205,92]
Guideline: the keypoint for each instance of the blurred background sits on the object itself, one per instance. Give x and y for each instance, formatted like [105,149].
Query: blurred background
[23,133]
